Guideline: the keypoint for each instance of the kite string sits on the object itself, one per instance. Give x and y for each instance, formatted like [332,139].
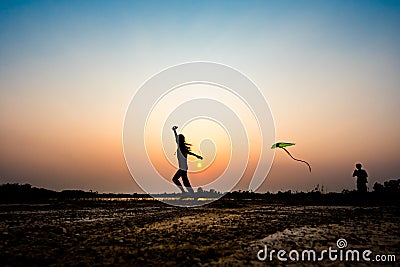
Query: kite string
[309,167]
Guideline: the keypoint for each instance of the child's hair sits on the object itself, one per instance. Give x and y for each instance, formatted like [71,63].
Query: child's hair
[183,146]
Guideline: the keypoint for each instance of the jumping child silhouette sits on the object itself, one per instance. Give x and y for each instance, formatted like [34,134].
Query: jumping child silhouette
[182,152]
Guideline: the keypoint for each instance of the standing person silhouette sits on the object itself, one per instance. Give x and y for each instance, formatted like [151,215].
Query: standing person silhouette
[361,178]
[182,152]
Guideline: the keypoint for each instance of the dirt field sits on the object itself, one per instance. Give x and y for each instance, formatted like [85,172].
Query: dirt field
[224,233]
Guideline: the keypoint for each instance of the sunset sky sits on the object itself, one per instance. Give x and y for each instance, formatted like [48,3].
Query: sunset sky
[68,70]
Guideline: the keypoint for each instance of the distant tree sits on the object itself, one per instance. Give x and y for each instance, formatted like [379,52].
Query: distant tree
[345,191]
[378,187]
[17,193]
[316,188]
[392,185]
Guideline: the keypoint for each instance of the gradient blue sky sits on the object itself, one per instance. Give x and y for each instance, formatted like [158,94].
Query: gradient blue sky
[68,69]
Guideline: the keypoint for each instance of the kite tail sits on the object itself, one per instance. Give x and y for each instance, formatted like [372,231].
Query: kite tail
[309,167]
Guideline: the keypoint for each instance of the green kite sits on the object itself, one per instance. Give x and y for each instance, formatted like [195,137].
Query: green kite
[283,145]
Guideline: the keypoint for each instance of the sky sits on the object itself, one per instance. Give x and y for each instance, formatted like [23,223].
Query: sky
[329,71]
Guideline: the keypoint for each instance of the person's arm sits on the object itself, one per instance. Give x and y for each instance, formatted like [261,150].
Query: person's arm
[193,154]
[355,173]
[176,135]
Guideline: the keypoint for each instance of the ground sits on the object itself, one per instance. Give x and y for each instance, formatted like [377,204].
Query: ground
[224,233]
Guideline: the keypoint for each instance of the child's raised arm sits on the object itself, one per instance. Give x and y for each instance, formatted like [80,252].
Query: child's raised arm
[176,135]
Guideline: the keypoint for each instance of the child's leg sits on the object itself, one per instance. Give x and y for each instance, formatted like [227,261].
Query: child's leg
[175,179]
[186,182]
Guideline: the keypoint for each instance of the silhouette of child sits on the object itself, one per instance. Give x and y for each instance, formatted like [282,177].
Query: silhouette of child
[182,152]
[361,178]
